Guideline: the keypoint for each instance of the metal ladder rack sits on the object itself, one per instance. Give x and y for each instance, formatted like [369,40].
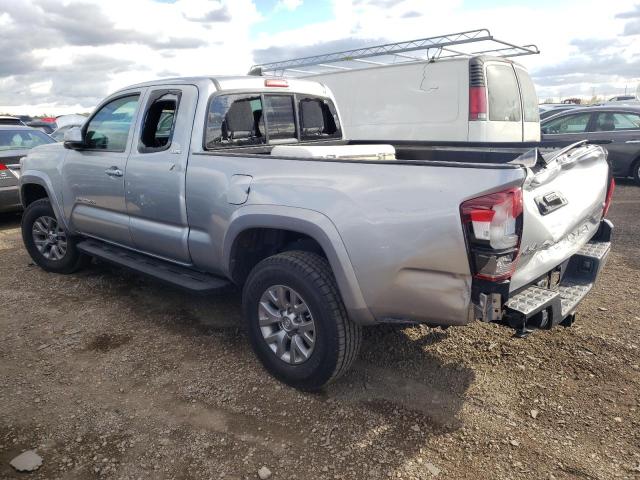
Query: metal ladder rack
[393,53]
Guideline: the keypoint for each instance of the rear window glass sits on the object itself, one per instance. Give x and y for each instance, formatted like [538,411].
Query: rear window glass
[529,97]
[22,139]
[255,119]
[576,123]
[318,118]
[235,120]
[281,122]
[504,95]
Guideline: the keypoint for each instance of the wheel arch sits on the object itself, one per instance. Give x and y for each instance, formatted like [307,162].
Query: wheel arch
[34,186]
[277,225]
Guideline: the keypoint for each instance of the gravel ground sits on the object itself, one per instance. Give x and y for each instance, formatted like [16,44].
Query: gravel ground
[108,375]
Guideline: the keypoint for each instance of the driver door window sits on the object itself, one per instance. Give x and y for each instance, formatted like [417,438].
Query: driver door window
[569,124]
[109,129]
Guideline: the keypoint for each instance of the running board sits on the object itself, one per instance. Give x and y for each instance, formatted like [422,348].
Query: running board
[553,306]
[179,276]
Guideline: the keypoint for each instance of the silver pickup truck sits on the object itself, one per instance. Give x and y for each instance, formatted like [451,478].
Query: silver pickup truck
[209,182]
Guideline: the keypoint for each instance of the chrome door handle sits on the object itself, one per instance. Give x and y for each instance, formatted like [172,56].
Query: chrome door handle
[113,172]
[632,141]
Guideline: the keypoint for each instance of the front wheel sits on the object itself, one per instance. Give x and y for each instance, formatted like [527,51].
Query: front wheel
[48,243]
[296,321]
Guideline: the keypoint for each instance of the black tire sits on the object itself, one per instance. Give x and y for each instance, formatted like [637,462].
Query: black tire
[337,339]
[636,172]
[71,261]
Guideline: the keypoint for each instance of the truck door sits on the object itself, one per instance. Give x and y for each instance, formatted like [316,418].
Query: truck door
[505,113]
[155,175]
[93,177]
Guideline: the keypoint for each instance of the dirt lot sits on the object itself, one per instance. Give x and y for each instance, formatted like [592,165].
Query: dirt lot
[109,375]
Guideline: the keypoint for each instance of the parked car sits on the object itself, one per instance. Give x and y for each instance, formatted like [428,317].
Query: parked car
[66,122]
[615,127]
[46,127]
[623,98]
[15,142]
[548,110]
[71,119]
[253,184]
[58,133]
[8,120]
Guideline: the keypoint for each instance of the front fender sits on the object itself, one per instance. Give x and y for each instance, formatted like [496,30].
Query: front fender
[35,177]
[315,225]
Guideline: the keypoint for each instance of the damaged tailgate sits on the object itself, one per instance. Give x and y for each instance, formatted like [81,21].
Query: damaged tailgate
[564,239]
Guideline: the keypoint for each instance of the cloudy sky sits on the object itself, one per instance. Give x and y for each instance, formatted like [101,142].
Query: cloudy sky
[61,56]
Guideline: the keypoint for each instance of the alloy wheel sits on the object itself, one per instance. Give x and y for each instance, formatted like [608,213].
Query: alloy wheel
[287,324]
[49,237]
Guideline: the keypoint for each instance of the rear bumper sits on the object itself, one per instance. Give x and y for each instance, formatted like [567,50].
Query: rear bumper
[10,199]
[538,306]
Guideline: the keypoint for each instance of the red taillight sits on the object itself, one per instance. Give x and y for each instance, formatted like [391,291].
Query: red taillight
[3,166]
[477,103]
[493,225]
[607,202]
[276,82]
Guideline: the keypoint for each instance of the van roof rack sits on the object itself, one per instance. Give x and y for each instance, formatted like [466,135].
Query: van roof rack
[393,53]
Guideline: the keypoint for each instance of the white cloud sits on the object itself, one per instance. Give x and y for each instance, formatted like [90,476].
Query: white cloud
[65,55]
[290,5]
[364,21]
[95,47]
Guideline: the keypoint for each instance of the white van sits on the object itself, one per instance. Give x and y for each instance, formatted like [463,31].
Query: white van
[462,99]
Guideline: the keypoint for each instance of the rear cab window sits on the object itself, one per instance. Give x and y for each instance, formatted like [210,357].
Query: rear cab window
[235,120]
[318,118]
[250,119]
[504,94]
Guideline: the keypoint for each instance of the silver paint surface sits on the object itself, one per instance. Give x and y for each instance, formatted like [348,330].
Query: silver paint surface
[391,232]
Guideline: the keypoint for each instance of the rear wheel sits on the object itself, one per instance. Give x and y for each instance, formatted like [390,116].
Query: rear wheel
[296,321]
[48,243]
[636,172]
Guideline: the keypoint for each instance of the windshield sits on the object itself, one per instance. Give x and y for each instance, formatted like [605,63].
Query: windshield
[22,139]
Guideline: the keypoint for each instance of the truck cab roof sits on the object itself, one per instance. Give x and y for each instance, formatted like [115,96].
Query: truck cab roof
[240,82]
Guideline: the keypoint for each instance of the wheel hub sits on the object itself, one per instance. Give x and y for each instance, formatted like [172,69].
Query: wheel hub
[286,324]
[49,238]
[289,322]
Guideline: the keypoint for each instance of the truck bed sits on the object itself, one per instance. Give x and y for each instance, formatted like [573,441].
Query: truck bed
[462,153]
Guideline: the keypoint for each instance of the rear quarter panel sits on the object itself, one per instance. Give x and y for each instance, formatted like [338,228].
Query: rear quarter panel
[400,224]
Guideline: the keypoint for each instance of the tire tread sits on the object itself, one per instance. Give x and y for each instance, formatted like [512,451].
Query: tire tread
[318,271]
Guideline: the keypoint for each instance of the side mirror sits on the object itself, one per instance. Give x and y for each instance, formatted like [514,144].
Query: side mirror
[73,138]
